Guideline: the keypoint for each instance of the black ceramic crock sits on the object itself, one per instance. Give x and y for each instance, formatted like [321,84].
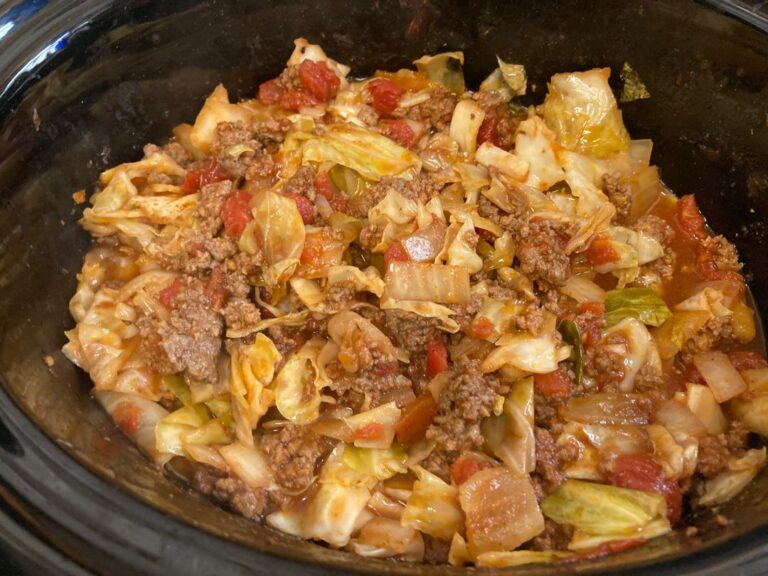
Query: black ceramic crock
[83,85]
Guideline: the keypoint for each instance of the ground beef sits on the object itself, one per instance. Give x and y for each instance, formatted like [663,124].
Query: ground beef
[229,134]
[665,266]
[555,536]
[285,339]
[240,313]
[370,236]
[605,366]
[410,331]
[340,294]
[716,449]
[463,314]
[515,221]
[262,172]
[724,253]
[210,203]
[436,112]
[650,380]
[421,187]
[718,330]
[302,183]
[531,320]
[546,412]
[232,491]
[550,460]
[620,195]
[541,251]
[439,463]
[435,550]
[379,385]
[655,227]
[270,133]
[468,397]
[295,454]
[191,339]
[176,151]
[507,122]
[713,455]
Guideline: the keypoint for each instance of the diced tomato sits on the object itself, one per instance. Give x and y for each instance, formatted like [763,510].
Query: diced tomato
[481,327]
[594,307]
[270,92]
[689,218]
[553,384]
[464,467]
[642,472]
[707,268]
[488,130]
[168,295]
[235,213]
[324,187]
[601,251]
[196,179]
[415,419]
[386,96]
[304,205]
[127,416]
[323,184]
[747,360]
[396,252]
[214,288]
[295,99]
[437,357]
[318,80]
[313,249]
[370,431]
[400,132]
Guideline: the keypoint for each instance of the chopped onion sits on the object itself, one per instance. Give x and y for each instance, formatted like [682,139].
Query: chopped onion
[427,282]
[702,403]
[676,416]
[424,245]
[718,371]
[608,408]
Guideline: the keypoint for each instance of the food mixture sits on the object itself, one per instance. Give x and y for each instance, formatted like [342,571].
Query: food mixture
[413,321]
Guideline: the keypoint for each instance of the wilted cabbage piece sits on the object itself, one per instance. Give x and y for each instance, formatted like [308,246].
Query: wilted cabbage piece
[642,303]
[510,435]
[277,228]
[297,386]
[252,369]
[582,111]
[433,508]
[444,69]
[608,512]
[369,153]
[537,354]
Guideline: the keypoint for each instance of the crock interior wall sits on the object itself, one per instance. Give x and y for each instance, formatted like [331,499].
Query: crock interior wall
[137,70]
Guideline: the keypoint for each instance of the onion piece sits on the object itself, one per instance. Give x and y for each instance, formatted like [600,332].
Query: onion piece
[608,408]
[426,244]
[427,282]
[718,371]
